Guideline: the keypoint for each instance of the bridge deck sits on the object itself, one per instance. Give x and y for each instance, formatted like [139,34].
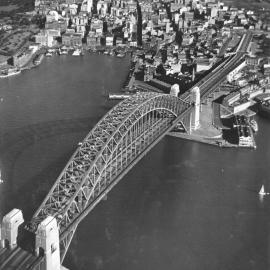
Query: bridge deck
[17,258]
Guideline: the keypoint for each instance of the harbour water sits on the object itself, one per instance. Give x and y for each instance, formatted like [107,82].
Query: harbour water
[184,206]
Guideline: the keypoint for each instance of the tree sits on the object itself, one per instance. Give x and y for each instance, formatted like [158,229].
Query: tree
[179,37]
[161,70]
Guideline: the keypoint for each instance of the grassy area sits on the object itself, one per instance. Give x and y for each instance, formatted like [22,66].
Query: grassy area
[261,7]
[249,4]
[16,2]
[10,7]
[13,41]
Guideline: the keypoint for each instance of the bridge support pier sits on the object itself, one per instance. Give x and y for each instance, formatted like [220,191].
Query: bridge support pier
[195,115]
[9,228]
[47,243]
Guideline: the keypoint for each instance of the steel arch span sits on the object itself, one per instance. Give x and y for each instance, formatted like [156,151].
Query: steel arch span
[117,142]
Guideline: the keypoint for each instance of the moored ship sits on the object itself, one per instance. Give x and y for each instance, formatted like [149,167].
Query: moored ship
[63,51]
[264,108]
[119,96]
[254,125]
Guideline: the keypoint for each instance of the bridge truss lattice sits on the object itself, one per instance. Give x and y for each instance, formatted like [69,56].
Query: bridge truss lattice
[117,142]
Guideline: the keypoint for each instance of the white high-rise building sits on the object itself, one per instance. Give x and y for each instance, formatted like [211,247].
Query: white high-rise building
[87,5]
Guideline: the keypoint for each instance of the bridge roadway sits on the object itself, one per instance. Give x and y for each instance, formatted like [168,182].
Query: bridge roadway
[149,133]
[210,82]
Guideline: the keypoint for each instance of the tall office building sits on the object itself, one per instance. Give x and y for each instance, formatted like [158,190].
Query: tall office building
[87,5]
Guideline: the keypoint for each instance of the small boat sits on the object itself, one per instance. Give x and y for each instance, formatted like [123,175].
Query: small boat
[262,192]
[77,52]
[63,52]
[48,54]
[51,50]
[121,55]
[254,125]
[1,180]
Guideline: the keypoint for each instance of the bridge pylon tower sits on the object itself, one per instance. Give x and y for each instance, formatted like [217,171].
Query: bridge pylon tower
[9,228]
[47,243]
[195,115]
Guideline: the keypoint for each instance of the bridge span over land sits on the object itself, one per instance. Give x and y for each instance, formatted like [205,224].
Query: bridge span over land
[117,142]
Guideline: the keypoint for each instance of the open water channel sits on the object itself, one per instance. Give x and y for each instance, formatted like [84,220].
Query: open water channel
[183,206]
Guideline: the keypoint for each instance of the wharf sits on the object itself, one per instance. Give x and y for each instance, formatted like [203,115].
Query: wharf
[128,84]
[211,129]
[216,141]
[30,64]
[211,141]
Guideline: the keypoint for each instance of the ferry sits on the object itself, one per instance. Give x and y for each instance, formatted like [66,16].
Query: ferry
[254,125]
[77,52]
[118,96]
[9,72]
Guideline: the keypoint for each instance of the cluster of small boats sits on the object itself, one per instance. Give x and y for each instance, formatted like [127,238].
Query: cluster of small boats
[112,53]
[64,51]
[79,51]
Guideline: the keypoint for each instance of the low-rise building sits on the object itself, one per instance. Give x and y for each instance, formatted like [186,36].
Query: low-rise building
[72,39]
[93,40]
[109,40]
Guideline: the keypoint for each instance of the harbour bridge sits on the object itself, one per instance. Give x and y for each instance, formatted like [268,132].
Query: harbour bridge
[117,142]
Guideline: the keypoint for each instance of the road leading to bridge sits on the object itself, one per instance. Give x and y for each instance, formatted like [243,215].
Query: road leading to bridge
[209,83]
